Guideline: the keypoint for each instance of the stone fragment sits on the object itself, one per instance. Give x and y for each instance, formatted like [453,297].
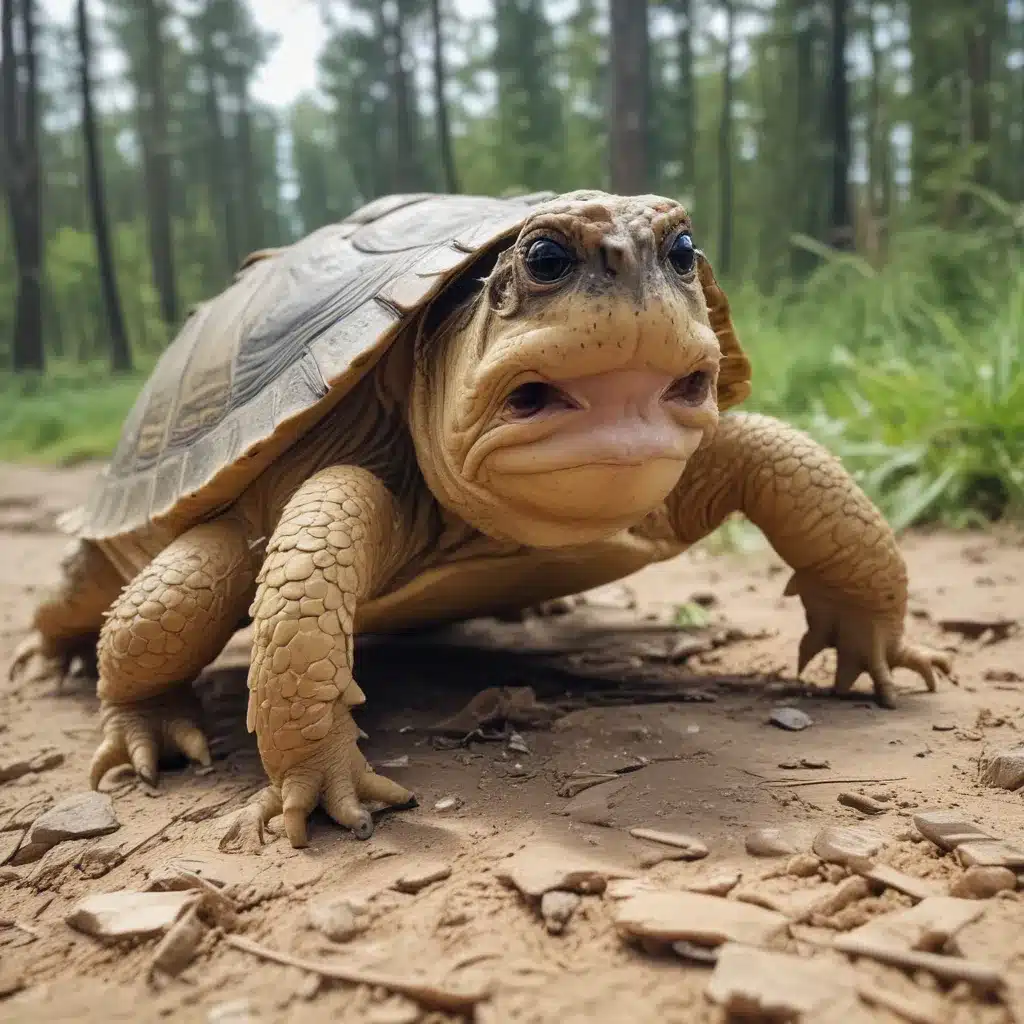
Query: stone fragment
[718,881]
[668,916]
[1004,769]
[791,719]
[417,878]
[593,806]
[177,949]
[983,881]
[893,878]
[803,865]
[541,867]
[556,908]
[447,803]
[237,869]
[839,844]
[768,842]
[691,847]
[334,918]
[756,985]
[947,829]
[396,1010]
[698,954]
[863,803]
[926,927]
[81,816]
[991,853]
[128,913]
[234,1011]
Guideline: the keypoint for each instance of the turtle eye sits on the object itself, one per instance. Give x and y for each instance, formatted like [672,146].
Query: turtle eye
[682,255]
[536,397]
[548,261]
[690,390]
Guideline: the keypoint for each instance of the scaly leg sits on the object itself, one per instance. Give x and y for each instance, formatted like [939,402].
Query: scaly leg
[849,572]
[169,623]
[337,541]
[66,623]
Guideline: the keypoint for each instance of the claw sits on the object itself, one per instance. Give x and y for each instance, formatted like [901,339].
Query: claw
[109,754]
[811,645]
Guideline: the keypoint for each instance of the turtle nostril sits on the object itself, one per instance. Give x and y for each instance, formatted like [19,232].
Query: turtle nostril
[691,389]
[532,399]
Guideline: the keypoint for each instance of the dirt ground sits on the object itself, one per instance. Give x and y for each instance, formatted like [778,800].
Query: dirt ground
[690,750]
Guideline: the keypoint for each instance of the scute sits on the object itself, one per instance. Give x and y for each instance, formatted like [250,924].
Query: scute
[264,361]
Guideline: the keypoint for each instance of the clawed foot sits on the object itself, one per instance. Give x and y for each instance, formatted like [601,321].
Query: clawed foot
[337,777]
[864,641]
[38,659]
[138,733]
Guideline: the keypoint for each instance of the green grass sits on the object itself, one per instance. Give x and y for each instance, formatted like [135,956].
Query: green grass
[913,374]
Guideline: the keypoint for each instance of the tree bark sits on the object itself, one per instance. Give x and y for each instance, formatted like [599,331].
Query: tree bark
[252,212]
[725,154]
[841,222]
[407,169]
[153,129]
[979,85]
[22,179]
[630,97]
[120,353]
[688,94]
[444,133]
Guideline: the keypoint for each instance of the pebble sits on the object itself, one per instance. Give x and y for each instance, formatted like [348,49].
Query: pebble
[863,803]
[892,878]
[838,844]
[927,926]
[542,867]
[556,908]
[15,767]
[419,878]
[991,853]
[235,1011]
[981,882]
[717,882]
[396,1010]
[128,913]
[944,726]
[948,829]
[333,918]
[758,985]
[82,816]
[792,719]
[447,803]
[1004,769]
[670,915]
[768,842]
[517,744]
[698,954]
[691,848]
[803,865]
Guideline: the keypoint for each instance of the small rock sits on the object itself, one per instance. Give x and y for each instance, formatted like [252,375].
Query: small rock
[791,719]
[396,1010]
[394,762]
[948,829]
[543,867]
[128,914]
[45,760]
[517,744]
[768,842]
[698,954]
[333,918]
[418,878]
[593,806]
[236,869]
[1004,769]
[717,882]
[803,865]
[81,816]
[892,878]
[447,803]
[838,844]
[177,949]
[235,1011]
[927,927]
[863,803]
[991,853]
[669,915]
[689,847]
[753,984]
[945,726]
[556,908]
[976,629]
[981,882]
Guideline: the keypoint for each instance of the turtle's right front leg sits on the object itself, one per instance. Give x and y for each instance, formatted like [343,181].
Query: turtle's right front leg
[336,543]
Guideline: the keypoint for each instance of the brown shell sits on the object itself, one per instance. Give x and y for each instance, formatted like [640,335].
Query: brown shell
[259,365]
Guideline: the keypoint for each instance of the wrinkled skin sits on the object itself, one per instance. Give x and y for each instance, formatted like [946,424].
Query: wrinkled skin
[556,430]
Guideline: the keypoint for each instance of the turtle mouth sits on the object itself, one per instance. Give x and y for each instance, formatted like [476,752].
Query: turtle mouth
[620,418]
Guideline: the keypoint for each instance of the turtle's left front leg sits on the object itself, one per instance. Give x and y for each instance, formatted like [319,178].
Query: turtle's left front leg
[849,572]
[336,543]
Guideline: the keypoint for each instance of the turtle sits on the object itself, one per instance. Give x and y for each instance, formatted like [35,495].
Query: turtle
[439,408]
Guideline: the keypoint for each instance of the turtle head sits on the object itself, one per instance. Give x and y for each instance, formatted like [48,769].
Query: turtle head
[560,402]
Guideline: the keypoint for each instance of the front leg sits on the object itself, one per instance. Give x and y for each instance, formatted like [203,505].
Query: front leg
[336,543]
[849,572]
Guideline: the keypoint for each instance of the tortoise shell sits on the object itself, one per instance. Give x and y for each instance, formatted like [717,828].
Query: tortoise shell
[256,367]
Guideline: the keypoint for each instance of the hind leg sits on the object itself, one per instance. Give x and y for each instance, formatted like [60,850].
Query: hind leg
[169,623]
[67,622]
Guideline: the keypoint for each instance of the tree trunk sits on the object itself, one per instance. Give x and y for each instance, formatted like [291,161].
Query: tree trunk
[251,206]
[407,176]
[979,85]
[630,97]
[444,133]
[688,95]
[153,129]
[21,175]
[120,353]
[840,221]
[725,154]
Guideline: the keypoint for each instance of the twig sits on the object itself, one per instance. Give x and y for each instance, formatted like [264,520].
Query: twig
[948,968]
[434,996]
[794,783]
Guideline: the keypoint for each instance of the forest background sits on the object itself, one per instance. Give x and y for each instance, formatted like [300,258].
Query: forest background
[855,171]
